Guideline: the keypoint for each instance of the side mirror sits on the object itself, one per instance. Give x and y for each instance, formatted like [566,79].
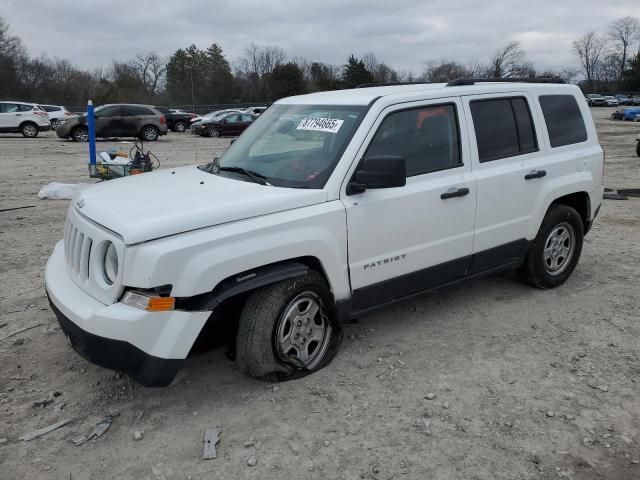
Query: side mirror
[381,171]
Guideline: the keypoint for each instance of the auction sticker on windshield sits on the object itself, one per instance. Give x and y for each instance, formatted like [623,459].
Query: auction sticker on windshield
[331,125]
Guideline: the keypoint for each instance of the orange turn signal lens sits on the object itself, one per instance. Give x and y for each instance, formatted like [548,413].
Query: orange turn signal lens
[161,304]
[148,301]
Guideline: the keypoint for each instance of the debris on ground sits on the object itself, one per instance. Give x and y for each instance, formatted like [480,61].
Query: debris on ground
[61,191]
[614,196]
[137,435]
[21,330]
[211,439]
[101,427]
[43,431]
[430,396]
[252,461]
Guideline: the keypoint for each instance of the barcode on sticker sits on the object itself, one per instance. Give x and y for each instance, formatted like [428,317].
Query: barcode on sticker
[331,125]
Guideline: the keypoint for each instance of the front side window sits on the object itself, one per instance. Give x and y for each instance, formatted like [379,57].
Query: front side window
[427,138]
[8,107]
[564,120]
[503,128]
[295,145]
[107,111]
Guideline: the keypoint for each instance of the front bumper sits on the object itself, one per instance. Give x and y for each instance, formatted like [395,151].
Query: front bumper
[149,346]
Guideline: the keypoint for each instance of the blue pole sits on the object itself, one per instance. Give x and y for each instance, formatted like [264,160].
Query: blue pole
[91,126]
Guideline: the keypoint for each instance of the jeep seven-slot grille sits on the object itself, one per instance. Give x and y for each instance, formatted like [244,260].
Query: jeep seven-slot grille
[77,250]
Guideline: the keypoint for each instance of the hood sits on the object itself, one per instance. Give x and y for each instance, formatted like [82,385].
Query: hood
[170,201]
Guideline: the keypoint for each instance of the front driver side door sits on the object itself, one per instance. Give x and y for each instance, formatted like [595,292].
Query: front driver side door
[109,122]
[407,239]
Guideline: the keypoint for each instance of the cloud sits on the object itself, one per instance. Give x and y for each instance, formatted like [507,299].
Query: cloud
[403,33]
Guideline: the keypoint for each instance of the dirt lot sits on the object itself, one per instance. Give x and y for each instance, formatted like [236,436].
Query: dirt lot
[526,383]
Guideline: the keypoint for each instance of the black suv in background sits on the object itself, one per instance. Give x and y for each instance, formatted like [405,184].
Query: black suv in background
[117,120]
[176,122]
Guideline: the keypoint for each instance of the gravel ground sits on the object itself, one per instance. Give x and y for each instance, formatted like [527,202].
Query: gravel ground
[488,379]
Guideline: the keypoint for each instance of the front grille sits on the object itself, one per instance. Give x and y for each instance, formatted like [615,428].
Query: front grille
[77,250]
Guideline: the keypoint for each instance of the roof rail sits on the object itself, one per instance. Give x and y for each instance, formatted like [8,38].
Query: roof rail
[458,82]
[390,84]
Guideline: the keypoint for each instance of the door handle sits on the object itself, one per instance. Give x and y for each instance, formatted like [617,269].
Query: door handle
[535,174]
[18,114]
[455,192]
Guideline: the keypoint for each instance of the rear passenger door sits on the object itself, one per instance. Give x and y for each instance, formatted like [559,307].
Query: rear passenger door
[133,119]
[407,239]
[510,166]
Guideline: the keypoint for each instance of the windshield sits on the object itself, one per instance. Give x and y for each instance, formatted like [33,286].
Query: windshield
[295,145]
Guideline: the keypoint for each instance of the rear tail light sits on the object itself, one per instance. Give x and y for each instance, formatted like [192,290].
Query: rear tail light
[163,120]
[69,113]
[41,113]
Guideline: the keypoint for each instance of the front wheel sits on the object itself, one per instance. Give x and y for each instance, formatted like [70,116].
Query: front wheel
[213,132]
[288,329]
[556,249]
[80,134]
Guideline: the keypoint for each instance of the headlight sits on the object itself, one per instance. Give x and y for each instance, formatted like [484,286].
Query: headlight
[110,264]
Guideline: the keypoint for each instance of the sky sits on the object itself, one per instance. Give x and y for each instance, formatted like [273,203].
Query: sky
[404,34]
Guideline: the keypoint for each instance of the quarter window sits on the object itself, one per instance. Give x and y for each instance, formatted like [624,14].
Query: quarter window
[503,128]
[426,137]
[564,120]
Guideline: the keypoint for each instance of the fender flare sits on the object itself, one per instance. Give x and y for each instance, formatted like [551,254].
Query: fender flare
[244,282]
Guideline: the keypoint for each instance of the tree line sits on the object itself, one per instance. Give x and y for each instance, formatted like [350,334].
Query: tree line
[605,62]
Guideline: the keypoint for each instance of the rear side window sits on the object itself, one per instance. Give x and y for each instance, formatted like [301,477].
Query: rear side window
[26,108]
[50,108]
[564,120]
[426,137]
[503,128]
[132,110]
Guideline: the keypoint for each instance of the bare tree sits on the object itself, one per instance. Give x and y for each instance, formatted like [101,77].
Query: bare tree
[446,70]
[624,32]
[589,49]
[150,70]
[509,61]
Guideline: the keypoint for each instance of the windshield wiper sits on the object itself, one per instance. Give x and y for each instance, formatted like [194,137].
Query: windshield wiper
[255,176]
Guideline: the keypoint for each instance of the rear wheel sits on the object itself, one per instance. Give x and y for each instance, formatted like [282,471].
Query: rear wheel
[80,134]
[29,130]
[54,124]
[556,249]
[149,133]
[288,329]
[180,127]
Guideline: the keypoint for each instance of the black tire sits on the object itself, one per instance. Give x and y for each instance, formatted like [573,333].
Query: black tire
[213,133]
[179,127]
[537,269]
[638,148]
[261,316]
[29,130]
[80,134]
[149,133]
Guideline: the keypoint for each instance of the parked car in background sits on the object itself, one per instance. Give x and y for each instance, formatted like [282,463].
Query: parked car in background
[628,113]
[56,112]
[610,101]
[595,100]
[635,100]
[26,118]
[177,121]
[623,99]
[117,120]
[227,124]
[255,110]
[213,114]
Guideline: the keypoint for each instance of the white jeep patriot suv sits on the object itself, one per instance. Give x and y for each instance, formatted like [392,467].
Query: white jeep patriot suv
[329,205]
